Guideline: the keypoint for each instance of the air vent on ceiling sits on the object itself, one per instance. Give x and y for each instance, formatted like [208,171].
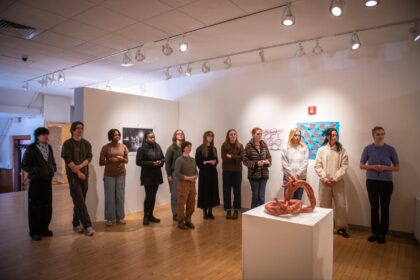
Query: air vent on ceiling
[18,30]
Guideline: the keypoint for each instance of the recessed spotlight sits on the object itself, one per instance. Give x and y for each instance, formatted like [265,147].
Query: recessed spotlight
[227,62]
[371,3]
[183,46]
[355,41]
[288,19]
[336,7]
[127,61]
[139,55]
[167,49]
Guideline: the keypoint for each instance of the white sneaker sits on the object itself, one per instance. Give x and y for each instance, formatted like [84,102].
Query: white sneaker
[108,223]
[121,222]
[90,231]
[78,229]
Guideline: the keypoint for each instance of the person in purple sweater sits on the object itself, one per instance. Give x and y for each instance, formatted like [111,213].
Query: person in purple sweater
[379,160]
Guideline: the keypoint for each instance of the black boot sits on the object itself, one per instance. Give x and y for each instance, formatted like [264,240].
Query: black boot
[210,213]
[153,219]
[228,214]
[146,219]
[235,214]
[205,215]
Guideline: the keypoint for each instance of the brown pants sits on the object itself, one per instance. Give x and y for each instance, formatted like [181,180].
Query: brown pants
[337,194]
[186,200]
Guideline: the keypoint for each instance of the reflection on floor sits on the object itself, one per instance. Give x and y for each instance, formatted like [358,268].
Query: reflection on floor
[162,251]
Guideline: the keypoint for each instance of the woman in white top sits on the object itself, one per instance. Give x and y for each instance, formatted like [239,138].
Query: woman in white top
[294,158]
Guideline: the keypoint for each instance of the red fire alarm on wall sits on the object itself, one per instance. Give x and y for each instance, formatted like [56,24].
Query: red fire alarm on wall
[312,110]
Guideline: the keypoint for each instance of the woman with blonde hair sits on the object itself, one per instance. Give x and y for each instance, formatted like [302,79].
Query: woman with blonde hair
[294,158]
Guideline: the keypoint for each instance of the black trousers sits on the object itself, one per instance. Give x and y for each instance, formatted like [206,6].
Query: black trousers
[379,193]
[232,180]
[78,191]
[39,205]
[149,200]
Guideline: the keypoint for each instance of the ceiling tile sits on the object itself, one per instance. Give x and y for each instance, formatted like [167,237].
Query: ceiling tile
[253,6]
[57,40]
[212,11]
[61,7]
[79,30]
[177,3]
[136,9]
[174,22]
[104,19]
[93,49]
[34,17]
[142,33]
[116,42]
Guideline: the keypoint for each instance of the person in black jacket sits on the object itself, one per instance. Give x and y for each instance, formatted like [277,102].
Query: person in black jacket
[39,162]
[150,158]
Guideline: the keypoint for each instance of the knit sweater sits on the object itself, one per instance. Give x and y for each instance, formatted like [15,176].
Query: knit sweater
[172,153]
[252,155]
[235,162]
[331,164]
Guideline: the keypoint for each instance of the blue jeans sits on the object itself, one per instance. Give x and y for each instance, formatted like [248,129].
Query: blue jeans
[114,188]
[232,180]
[174,195]
[258,192]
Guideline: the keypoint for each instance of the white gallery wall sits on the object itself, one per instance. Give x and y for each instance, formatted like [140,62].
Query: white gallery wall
[377,85]
[102,110]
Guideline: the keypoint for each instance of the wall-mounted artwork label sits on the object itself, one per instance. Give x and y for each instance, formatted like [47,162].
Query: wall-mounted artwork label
[133,137]
[312,110]
[312,134]
[273,138]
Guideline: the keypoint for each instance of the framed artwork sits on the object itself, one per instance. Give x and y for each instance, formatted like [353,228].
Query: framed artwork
[312,134]
[132,137]
[273,137]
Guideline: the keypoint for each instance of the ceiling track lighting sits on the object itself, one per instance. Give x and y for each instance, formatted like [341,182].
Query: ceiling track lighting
[371,3]
[355,41]
[415,34]
[227,62]
[61,77]
[188,72]
[167,74]
[167,49]
[180,70]
[288,19]
[317,50]
[127,61]
[25,85]
[139,55]
[51,79]
[262,56]
[336,7]
[300,51]
[183,46]
[206,67]
[107,87]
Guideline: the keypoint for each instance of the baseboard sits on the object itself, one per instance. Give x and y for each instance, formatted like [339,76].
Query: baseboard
[391,232]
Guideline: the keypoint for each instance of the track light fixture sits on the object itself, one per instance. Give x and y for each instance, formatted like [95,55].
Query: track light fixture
[127,61]
[25,85]
[300,51]
[183,46]
[61,77]
[414,31]
[107,87]
[139,55]
[355,41]
[180,70]
[206,67]
[44,81]
[317,49]
[336,7]
[261,54]
[167,74]
[227,62]
[51,79]
[288,19]
[371,3]
[188,72]
[166,49]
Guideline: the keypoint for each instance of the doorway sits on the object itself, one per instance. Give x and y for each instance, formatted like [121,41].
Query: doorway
[20,143]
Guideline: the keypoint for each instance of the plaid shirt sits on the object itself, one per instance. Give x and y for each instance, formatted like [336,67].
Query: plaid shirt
[294,161]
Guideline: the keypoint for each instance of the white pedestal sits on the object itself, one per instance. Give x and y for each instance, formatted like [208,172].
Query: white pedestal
[287,247]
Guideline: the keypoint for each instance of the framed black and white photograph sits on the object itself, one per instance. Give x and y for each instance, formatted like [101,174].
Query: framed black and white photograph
[132,137]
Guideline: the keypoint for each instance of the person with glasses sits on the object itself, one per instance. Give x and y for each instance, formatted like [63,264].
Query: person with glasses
[379,160]
[173,152]
[294,159]
[331,165]
[258,159]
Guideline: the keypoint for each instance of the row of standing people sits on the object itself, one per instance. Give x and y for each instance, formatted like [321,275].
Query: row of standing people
[379,159]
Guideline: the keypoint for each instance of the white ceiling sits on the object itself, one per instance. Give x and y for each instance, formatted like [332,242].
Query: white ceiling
[77,31]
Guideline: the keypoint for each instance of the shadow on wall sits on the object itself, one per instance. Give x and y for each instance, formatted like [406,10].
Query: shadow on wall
[92,195]
[354,192]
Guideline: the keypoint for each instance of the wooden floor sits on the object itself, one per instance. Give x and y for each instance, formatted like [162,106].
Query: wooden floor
[162,251]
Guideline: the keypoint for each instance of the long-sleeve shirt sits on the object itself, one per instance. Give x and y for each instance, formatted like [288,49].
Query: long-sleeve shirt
[76,152]
[108,151]
[185,166]
[235,162]
[295,161]
[172,153]
[251,157]
[331,164]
